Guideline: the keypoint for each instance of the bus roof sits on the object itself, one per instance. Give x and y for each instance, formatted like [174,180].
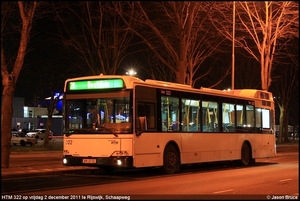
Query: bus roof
[248,93]
[131,81]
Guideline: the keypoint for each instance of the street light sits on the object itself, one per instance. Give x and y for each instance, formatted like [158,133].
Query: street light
[233,38]
[131,72]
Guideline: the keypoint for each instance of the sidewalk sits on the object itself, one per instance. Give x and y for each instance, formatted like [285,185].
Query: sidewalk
[35,166]
[38,162]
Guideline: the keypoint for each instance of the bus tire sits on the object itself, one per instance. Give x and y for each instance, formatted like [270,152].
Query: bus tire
[246,156]
[170,160]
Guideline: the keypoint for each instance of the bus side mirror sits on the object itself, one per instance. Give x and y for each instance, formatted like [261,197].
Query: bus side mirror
[142,125]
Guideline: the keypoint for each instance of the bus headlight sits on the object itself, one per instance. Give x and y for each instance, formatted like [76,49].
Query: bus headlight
[119,162]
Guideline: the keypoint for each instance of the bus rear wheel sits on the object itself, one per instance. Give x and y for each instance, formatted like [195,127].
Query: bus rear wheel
[170,160]
[246,156]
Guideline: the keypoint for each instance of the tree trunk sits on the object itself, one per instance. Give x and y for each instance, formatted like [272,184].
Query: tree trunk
[48,128]
[50,108]
[285,127]
[7,109]
[9,79]
[281,116]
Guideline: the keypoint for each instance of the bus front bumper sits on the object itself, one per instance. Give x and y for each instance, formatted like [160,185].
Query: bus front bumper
[123,161]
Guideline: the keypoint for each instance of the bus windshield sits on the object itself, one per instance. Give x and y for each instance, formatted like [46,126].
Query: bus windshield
[98,115]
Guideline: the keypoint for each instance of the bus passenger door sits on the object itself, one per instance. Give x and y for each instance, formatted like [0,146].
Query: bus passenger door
[146,152]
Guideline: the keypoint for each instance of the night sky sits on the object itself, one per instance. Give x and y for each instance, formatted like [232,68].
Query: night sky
[49,63]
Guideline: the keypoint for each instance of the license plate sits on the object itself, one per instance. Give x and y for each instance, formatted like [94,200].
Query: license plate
[87,160]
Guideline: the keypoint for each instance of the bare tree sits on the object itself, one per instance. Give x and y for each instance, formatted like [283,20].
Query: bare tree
[213,72]
[49,83]
[153,66]
[286,83]
[261,29]
[10,69]
[95,32]
[45,76]
[177,32]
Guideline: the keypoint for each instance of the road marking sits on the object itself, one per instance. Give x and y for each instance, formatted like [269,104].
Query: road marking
[283,180]
[224,191]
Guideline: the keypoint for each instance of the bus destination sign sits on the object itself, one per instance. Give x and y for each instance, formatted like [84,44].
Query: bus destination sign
[96,84]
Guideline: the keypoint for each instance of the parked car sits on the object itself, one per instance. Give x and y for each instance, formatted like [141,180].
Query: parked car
[39,133]
[18,138]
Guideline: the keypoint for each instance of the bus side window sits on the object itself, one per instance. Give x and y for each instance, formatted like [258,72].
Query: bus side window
[258,120]
[228,117]
[210,116]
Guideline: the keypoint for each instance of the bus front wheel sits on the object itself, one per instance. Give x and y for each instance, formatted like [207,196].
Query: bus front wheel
[170,160]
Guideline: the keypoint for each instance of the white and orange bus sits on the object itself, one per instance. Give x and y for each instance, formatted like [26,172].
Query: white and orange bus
[115,121]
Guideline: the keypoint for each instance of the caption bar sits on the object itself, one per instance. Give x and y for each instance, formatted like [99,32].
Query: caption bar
[64,197]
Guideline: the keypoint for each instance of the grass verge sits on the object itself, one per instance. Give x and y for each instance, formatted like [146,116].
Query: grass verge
[36,148]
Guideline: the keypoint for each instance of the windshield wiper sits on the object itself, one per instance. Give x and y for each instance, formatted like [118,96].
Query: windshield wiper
[84,131]
[111,130]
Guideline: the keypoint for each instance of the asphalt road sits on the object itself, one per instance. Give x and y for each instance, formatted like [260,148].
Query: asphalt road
[276,175]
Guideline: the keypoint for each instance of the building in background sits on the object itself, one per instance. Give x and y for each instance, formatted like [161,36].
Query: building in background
[30,118]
